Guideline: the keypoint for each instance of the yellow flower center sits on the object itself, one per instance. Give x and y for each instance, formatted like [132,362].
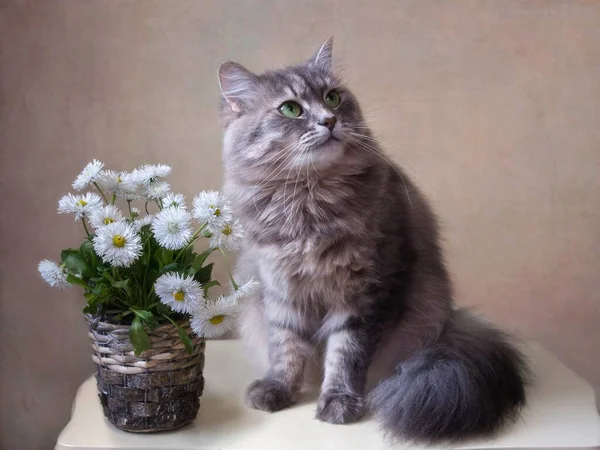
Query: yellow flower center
[216,211]
[82,203]
[119,241]
[108,220]
[216,320]
[178,296]
[119,180]
[227,230]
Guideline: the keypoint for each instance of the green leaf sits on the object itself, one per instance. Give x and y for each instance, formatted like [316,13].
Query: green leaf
[158,257]
[109,277]
[68,251]
[87,252]
[199,259]
[210,284]
[98,290]
[204,274]
[152,275]
[122,315]
[187,341]
[167,256]
[142,314]
[146,317]
[171,267]
[185,338]
[76,280]
[120,284]
[76,264]
[138,336]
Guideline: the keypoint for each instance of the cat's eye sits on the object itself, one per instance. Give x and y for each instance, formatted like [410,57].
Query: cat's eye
[333,99]
[290,109]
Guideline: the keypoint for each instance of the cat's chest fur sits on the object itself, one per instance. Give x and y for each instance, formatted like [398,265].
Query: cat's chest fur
[310,241]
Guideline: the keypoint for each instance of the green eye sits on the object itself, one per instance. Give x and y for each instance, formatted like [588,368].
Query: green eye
[290,109]
[333,98]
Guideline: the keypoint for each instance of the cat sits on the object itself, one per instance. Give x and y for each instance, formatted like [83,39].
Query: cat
[347,252]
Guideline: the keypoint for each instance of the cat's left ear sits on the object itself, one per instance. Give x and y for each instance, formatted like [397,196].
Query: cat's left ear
[237,86]
[323,58]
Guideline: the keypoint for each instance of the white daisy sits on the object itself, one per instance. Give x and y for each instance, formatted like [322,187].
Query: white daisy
[122,184]
[53,274]
[150,173]
[139,223]
[214,318]
[211,208]
[246,289]
[157,190]
[181,294]
[118,244]
[81,204]
[172,228]
[88,175]
[173,201]
[105,215]
[228,237]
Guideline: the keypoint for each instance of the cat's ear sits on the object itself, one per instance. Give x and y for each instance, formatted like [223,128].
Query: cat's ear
[237,85]
[323,58]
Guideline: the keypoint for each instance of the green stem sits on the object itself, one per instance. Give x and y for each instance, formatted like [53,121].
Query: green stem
[171,320]
[129,206]
[101,193]
[114,199]
[233,283]
[146,208]
[191,243]
[85,227]
[146,274]
[115,274]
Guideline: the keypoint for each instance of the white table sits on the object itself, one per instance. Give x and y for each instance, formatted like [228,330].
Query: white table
[561,413]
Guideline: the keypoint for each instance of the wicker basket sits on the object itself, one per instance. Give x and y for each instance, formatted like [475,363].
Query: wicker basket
[157,391]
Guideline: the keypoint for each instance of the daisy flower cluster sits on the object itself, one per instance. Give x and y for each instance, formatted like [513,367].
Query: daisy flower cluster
[140,260]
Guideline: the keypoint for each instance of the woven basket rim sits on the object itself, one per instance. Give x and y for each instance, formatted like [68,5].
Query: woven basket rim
[98,319]
[111,347]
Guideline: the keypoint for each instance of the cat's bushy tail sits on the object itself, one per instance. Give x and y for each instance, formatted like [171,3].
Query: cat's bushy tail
[471,382]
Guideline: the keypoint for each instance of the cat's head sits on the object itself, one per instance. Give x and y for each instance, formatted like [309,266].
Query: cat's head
[300,117]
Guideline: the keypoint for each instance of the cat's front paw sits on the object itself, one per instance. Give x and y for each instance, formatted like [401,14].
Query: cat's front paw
[268,395]
[340,407]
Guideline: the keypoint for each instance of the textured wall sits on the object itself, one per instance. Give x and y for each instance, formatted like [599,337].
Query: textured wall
[494,105]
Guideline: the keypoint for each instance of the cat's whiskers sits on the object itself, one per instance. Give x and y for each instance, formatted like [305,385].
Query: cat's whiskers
[375,145]
[376,142]
[313,166]
[269,176]
[285,187]
[362,124]
[379,154]
[304,153]
[393,146]
[292,148]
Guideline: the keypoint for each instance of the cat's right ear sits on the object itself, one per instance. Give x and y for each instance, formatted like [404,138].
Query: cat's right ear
[238,86]
[323,58]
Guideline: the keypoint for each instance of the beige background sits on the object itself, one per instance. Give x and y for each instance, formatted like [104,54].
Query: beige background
[494,105]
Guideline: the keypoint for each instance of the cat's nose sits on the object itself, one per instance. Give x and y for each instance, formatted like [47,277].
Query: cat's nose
[328,122]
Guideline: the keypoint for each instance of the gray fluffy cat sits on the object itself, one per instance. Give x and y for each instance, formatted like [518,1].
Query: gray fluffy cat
[351,270]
